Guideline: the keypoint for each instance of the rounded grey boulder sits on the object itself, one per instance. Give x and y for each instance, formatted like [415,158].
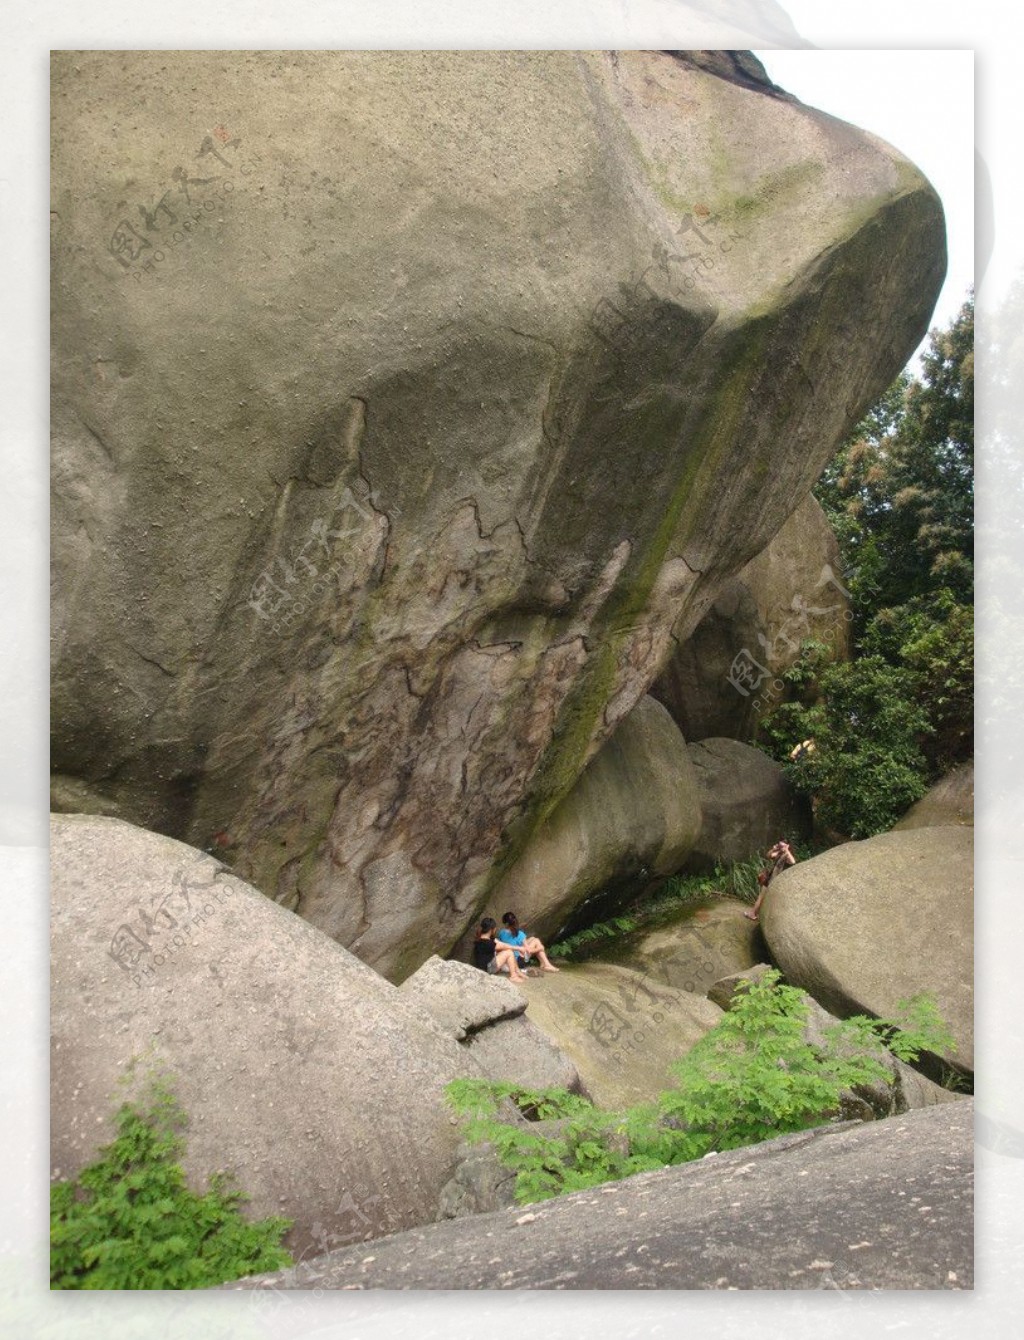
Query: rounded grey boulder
[746,803]
[950,801]
[699,947]
[622,1029]
[868,924]
[724,677]
[303,1072]
[632,818]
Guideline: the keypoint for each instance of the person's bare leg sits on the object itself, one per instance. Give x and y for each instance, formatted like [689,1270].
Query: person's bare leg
[507,960]
[535,947]
[751,913]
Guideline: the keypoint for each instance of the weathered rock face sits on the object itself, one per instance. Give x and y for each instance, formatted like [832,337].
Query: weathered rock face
[746,803]
[631,819]
[480,1183]
[870,923]
[695,951]
[621,1028]
[485,1012]
[777,1215]
[462,999]
[724,677]
[386,460]
[302,1071]
[722,991]
[950,801]
[522,1053]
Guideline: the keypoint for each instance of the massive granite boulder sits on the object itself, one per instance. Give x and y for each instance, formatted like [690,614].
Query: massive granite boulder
[725,676]
[868,924]
[302,1071]
[404,404]
[888,1205]
[629,821]
[746,804]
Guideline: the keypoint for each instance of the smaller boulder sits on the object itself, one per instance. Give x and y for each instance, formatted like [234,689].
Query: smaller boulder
[461,998]
[701,946]
[630,820]
[722,992]
[746,803]
[517,1050]
[872,1102]
[486,1014]
[789,592]
[864,1102]
[950,801]
[481,1183]
[621,1028]
[869,924]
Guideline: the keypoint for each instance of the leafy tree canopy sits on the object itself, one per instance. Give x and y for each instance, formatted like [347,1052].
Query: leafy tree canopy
[900,491]
[900,497]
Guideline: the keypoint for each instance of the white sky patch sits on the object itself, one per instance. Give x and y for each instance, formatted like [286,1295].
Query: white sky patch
[922,103]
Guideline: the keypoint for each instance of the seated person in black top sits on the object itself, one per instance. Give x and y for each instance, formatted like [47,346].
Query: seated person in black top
[490,956]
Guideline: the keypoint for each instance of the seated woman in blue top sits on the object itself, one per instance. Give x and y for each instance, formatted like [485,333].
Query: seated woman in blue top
[524,945]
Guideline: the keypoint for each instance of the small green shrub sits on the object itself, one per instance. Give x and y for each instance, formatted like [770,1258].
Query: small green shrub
[129,1220]
[752,1077]
[582,1153]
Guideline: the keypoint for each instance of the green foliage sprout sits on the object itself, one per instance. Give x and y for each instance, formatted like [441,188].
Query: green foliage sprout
[756,1075]
[130,1221]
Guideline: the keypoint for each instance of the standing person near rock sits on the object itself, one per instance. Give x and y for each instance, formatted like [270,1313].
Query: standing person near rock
[491,957]
[524,945]
[781,856]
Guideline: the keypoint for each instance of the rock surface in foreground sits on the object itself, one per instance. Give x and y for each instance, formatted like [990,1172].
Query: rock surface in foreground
[870,923]
[302,1071]
[885,1205]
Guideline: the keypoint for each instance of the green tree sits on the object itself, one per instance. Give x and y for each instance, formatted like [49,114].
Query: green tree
[932,638]
[867,766]
[900,497]
[900,491]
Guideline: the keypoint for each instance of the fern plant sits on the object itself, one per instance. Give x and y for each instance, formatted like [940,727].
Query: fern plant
[753,1076]
[614,928]
[585,1148]
[130,1221]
